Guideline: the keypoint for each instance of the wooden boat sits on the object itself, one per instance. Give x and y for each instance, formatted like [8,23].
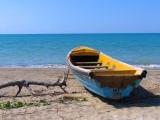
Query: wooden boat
[102,74]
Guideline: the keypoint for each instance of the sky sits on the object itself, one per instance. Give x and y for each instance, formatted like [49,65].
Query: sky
[79,16]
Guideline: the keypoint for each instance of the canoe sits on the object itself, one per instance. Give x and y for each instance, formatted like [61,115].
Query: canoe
[102,74]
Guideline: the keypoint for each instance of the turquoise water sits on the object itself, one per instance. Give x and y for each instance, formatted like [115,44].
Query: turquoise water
[51,49]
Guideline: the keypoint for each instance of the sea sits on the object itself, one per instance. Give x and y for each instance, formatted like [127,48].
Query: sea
[50,50]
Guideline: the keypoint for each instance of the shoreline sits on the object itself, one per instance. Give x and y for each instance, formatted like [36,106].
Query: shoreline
[58,68]
[63,66]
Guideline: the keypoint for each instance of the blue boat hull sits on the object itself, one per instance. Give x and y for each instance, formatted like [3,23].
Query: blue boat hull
[106,92]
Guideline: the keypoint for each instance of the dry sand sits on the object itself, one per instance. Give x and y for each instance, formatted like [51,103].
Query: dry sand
[144,103]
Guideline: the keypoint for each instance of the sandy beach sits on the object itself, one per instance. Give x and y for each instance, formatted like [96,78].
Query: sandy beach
[144,103]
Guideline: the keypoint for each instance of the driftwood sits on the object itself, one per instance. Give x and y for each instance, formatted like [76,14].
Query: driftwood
[26,83]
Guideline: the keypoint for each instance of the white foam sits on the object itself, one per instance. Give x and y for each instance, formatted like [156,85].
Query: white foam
[35,66]
[149,66]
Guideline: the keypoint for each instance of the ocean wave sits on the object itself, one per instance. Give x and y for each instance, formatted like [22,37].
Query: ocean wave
[35,66]
[149,66]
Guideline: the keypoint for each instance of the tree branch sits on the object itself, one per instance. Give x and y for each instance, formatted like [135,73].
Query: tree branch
[25,83]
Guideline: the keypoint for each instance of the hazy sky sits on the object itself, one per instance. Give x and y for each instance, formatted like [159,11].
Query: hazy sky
[79,16]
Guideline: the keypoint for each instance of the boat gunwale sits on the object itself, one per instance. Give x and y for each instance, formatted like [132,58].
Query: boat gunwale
[92,71]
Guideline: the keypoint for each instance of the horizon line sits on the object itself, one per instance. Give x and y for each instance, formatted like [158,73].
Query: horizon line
[78,33]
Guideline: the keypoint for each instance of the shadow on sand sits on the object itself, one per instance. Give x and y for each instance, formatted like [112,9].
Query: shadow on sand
[140,97]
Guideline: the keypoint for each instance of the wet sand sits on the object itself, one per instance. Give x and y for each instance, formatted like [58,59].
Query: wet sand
[144,103]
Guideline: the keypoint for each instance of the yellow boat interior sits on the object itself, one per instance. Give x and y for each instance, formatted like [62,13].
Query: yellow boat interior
[96,61]
[104,67]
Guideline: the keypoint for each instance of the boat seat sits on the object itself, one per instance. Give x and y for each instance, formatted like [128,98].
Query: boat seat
[93,67]
[88,63]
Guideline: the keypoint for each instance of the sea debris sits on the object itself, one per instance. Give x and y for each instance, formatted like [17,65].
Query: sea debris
[62,83]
